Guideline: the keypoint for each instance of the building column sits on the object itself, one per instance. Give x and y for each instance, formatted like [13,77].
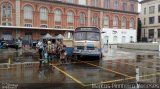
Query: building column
[17,33]
[17,12]
[89,17]
[101,19]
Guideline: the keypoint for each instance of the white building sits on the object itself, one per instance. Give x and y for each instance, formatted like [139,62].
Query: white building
[114,36]
[150,18]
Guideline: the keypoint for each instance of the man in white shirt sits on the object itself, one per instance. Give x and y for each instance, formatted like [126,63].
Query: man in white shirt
[40,49]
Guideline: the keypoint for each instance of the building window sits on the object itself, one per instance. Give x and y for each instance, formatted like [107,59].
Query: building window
[132,8]
[57,15]
[95,3]
[70,17]
[43,26]
[106,21]
[151,9]
[70,1]
[158,19]
[115,22]
[158,33]
[107,4]
[28,25]
[58,27]
[151,33]
[82,2]
[95,21]
[131,39]
[131,23]
[116,4]
[151,20]
[123,39]
[28,12]
[115,39]
[144,32]
[6,10]
[43,14]
[124,23]
[158,8]
[82,18]
[144,21]
[124,7]
[144,10]
[6,24]
[59,0]
[70,27]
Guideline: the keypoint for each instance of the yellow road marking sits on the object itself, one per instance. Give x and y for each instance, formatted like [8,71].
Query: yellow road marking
[76,80]
[57,64]
[106,69]
[119,80]
[111,81]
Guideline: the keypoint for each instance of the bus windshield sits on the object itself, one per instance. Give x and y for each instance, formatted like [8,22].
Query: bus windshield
[91,36]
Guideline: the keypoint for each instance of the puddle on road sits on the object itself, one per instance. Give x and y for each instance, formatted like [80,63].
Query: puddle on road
[88,74]
[17,56]
[22,73]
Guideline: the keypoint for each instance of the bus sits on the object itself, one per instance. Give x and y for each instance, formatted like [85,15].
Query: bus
[87,42]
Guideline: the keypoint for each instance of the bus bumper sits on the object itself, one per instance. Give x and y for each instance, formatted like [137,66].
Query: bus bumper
[87,52]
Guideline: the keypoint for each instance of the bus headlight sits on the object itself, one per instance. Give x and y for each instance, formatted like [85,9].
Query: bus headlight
[96,49]
[75,48]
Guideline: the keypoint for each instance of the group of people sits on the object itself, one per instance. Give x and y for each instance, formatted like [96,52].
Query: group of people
[49,50]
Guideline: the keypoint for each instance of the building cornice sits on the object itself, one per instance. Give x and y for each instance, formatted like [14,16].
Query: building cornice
[150,26]
[84,6]
[145,1]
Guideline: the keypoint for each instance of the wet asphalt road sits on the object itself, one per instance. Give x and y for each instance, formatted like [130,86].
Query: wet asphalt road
[117,66]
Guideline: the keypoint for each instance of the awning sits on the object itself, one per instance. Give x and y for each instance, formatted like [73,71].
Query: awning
[37,28]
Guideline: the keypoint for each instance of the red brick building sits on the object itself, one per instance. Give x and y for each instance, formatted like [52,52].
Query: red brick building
[30,19]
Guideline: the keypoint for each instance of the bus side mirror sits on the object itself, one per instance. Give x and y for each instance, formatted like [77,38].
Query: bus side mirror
[103,32]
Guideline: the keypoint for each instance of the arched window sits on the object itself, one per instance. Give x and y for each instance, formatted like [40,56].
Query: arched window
[95,21]
[70,17]
[115,21]
[116,4]
[106,21]
[6,10]
[82,18]
[43,14]
[124,22]
[28,12]
[57,15]
[131,23]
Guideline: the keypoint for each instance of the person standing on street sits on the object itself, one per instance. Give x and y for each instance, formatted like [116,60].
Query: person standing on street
[40,50]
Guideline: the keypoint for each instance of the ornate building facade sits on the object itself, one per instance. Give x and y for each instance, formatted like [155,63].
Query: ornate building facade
[30,19]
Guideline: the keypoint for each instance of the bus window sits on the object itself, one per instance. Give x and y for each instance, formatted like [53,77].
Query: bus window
[93,36]
[80,35]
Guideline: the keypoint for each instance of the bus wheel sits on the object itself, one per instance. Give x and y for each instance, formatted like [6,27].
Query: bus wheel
[100,56]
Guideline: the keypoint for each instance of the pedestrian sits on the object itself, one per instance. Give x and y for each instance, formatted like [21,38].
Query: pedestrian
[19,43]
[49,50]
[40,50]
